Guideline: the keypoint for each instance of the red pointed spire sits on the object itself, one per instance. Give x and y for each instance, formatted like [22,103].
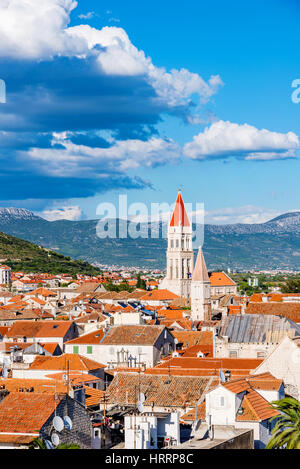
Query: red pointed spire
[179,217]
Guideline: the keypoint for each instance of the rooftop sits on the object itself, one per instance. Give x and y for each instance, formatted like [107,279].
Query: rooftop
[132,335]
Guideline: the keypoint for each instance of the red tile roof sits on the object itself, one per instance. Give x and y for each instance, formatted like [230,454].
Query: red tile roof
[94,338]
[132,335]
[220,279]
[190,338]
[39,329]
[186,366]
[71,361]
[93,396]
[288,310]
[25,412]
[159,295]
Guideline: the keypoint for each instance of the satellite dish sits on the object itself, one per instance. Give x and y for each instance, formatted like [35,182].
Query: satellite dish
[68,423]
[55,439]
[58,424]
[140,407]
[222,376]
[48,444]
[142,397]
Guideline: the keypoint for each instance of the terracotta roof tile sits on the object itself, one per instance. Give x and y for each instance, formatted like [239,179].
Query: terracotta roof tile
[39,329]
[94,338]
[287,310]
[218,279]
[25,412]
[159,295]
[72,361]
[130,335]
[163,391]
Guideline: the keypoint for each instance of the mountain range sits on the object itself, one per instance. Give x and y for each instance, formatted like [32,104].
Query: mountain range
[271,245]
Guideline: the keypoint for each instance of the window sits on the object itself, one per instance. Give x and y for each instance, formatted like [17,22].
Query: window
[233,354]
[261,354]
[75,349]
[89,349]
[219,401]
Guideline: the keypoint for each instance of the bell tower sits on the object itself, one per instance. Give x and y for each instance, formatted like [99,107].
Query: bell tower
[200,291]
[180,256]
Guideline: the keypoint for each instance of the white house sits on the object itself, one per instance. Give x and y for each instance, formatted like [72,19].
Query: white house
[151,431]
[42,332]
[284,363]
[244,403]
[125,346]
[5,275]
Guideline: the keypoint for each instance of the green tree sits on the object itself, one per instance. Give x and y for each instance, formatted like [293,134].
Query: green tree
[140,283]
[286,431]
[291,286]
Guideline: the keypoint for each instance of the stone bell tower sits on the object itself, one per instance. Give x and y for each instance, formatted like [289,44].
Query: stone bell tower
[200,291]
[180,256]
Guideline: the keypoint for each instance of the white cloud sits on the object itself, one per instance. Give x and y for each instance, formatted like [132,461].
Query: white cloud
[83,161]
[226,139]
[242,214]
[121,57]
[44,33]
[37,29]
[63,213]
[86,16]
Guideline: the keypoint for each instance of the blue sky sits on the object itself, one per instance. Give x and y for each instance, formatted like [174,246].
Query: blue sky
[140,98]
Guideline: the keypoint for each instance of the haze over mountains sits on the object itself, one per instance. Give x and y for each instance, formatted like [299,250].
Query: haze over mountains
[271,245]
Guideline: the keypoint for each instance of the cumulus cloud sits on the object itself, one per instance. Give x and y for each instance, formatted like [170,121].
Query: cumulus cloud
[37,29]
[226,139]
[120,57]
[45,33]
[242,214]
[67,159]
[64,213]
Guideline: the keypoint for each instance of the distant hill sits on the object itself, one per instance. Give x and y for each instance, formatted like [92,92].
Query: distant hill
[24,256]
[270,245]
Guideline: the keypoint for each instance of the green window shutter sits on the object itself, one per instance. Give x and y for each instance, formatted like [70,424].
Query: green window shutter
[75,349]
[89,349]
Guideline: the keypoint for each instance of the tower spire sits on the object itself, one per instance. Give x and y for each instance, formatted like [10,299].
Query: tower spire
[200,271]
[179,216]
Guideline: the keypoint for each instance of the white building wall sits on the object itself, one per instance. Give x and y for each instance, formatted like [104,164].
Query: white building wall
[284,363]
[128,319]
[243,350]
[222,414]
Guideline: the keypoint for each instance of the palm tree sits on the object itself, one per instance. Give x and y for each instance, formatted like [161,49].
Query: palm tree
[37,443]
[286,431]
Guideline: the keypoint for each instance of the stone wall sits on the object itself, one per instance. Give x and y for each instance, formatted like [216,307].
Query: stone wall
[81,432]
